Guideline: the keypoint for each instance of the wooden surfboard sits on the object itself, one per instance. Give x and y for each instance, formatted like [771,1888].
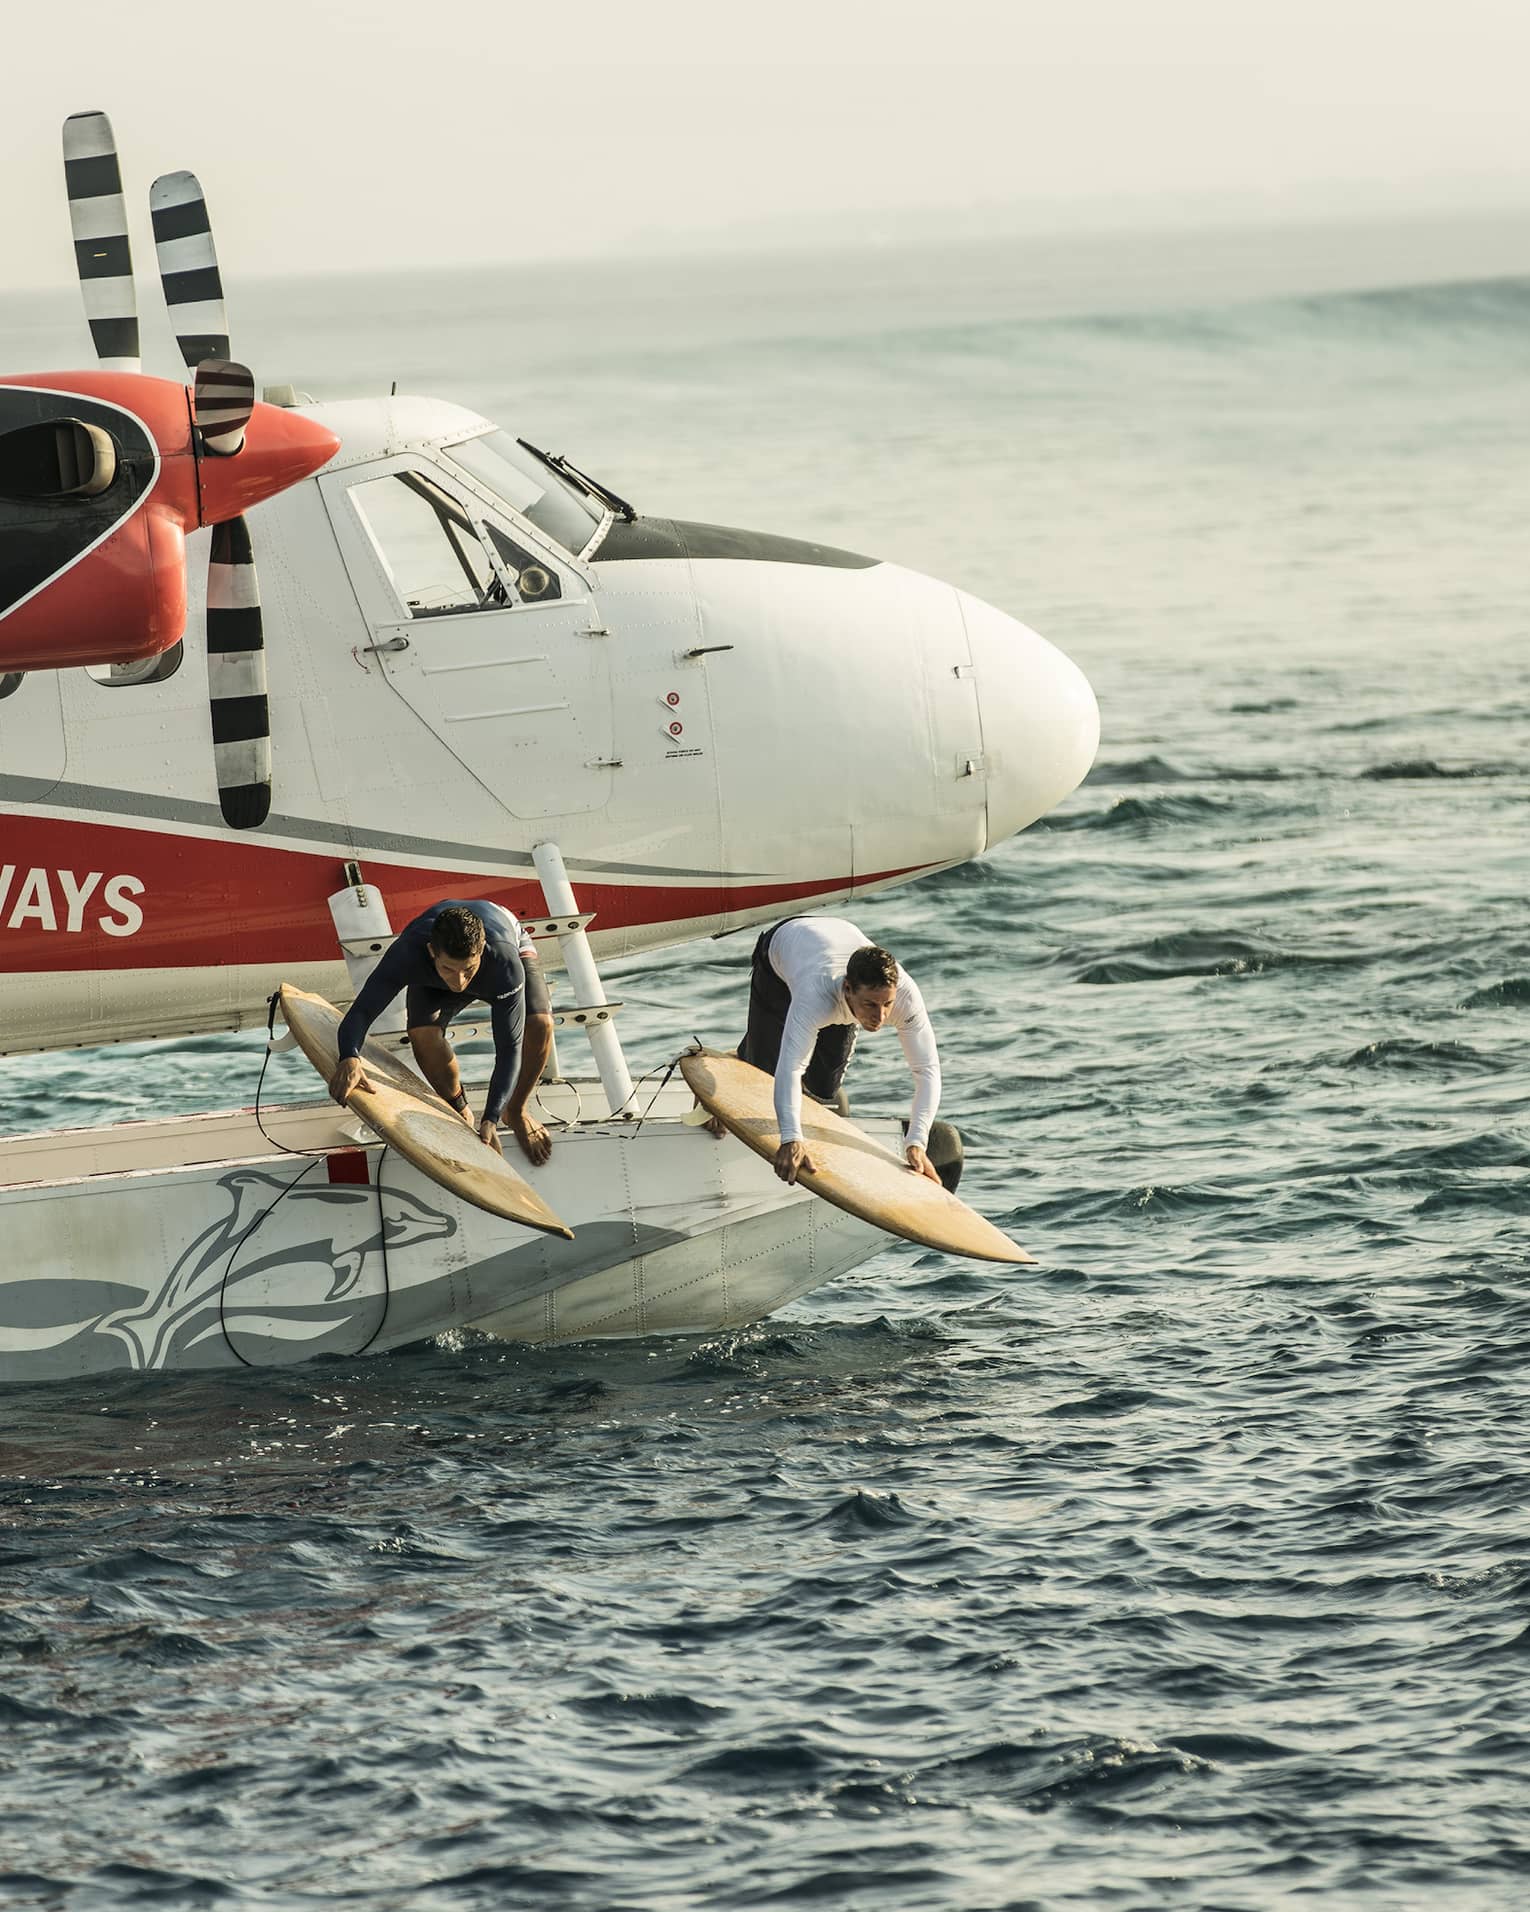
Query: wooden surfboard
[408,1114]
[855,1173]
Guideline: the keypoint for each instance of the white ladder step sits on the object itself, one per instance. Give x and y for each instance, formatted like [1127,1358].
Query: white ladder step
[544,929]
[581,1018]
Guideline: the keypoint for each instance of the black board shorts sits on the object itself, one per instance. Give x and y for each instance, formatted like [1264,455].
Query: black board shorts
[435,1008]
[769,1001]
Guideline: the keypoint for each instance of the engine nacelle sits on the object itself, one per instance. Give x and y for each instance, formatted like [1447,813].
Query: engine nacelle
[101,479]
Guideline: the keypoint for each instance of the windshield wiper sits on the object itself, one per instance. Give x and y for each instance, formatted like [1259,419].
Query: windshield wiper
[565,468]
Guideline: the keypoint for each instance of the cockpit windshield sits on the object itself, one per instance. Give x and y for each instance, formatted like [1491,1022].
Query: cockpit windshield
[551,502]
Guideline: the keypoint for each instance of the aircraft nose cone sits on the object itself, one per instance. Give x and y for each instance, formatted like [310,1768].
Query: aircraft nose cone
[1041,724]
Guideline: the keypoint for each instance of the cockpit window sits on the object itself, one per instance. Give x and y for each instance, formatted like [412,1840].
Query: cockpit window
[551,502]
[427,543]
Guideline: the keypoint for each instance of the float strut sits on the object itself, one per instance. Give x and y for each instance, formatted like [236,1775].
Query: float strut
[558,894]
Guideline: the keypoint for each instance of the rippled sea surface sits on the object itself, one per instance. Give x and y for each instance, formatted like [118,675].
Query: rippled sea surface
[1190,1568]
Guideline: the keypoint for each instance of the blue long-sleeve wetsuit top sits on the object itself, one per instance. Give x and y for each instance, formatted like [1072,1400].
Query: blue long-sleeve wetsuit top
[500,981]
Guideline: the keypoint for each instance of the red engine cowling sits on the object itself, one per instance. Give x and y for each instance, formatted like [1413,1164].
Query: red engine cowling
[101,479]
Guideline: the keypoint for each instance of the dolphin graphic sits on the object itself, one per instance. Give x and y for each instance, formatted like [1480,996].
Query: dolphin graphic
[347,1229]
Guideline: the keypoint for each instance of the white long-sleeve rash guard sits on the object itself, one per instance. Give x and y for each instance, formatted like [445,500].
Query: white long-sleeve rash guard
[809,954]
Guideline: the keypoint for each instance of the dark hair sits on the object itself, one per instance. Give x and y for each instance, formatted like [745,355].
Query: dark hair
[871,968]
[457,933]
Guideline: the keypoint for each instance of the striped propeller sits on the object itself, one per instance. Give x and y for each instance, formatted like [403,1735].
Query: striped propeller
[223,396]
[236,679]
[223,400]
[188,267]
[102,255]
[226,420]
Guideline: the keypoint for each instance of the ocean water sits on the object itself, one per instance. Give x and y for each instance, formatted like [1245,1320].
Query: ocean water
[1190,1568]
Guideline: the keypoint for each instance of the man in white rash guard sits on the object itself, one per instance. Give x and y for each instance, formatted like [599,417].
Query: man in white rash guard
[816,981]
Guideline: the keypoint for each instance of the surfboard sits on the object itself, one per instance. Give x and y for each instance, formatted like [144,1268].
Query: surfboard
[854,1172]
[408,1114]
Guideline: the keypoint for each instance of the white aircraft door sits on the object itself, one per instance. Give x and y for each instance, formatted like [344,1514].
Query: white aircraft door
[483,631]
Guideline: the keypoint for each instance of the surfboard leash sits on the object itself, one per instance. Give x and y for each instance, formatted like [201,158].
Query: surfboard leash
[657,1092]
[314,1155]
[675,1064]
[260,1083]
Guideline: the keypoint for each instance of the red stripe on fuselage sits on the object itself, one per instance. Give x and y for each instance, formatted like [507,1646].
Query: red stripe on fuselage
[161,901]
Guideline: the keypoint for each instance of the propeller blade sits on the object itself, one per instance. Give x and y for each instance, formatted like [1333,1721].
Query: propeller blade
[102,256]
[236,679]
[188,267]
[222,399]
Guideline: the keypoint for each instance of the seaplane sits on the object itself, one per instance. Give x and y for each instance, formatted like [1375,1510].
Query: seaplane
[276,676]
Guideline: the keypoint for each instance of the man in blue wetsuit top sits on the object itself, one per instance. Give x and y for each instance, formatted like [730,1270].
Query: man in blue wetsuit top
[454,954]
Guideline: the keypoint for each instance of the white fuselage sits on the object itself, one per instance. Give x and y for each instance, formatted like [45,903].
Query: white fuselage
[711,740]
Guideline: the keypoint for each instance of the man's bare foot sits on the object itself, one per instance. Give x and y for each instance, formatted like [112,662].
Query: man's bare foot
[536,1143]
[714,1125]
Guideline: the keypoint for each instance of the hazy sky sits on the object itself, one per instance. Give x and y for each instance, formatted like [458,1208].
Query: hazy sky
[358,133]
